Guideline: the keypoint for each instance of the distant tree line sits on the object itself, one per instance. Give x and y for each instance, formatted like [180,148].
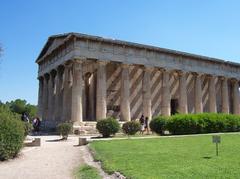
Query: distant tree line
[20,106]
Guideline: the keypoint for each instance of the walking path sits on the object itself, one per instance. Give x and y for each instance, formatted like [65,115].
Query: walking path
[53,160]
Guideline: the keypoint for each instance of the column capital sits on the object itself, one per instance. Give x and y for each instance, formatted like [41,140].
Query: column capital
[46,76]
[40,78]
[68,65]
[223,78]
[79,58]
[166,70]
[125,65]
[210,76]
[77,64]
[102,62]
[181,73]
[234,80]
[148,69]
[196,74]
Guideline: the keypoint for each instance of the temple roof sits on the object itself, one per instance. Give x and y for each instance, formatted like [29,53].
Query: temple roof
[55,41]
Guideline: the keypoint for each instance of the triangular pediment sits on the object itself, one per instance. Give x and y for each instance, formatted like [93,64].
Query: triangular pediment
[52,43]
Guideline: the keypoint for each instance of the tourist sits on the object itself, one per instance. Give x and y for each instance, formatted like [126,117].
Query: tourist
[146,126]
[24,117]
[142,124]
[36,124]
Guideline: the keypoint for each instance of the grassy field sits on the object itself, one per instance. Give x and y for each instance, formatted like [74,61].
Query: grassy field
[86,172]
[179,157]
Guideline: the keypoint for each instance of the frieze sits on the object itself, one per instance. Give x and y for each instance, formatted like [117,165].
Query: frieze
[139,56]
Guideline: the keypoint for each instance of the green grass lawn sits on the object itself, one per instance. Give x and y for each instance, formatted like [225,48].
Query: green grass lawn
[179,157]
[86,172]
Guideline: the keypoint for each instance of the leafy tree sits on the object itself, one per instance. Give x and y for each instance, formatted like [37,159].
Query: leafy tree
[20,106]
[31,110]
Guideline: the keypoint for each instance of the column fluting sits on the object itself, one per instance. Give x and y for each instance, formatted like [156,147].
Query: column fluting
[125,113]
[101,104]
[166,96]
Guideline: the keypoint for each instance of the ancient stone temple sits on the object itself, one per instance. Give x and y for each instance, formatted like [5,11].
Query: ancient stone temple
[85,78]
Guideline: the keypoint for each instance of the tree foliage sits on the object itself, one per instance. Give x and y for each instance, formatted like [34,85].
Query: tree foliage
[20,106]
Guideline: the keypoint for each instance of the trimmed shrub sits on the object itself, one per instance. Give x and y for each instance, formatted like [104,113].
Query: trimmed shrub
[131,127]
[108,126]
[64,129]
[196,123]
[183,124]
[158,124]
[232,123]
[203,123]
[11,134]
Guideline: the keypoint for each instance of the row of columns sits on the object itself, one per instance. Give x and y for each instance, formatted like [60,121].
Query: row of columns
[61,93]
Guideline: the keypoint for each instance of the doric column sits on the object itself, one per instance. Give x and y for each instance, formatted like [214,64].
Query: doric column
[146,87]
[77,93]
[50,97]
[166,96]
[40,97]
[125,87]
[45,97]
[236,96]
[101,104]
[66,106]
[225,96]
[58,96]
[212,95]
[183,107]
[198,94]
[92,96]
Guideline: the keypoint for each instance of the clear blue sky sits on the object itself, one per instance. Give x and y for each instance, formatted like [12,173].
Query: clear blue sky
[206,27]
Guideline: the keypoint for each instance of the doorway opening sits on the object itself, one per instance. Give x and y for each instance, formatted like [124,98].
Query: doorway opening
[174,106]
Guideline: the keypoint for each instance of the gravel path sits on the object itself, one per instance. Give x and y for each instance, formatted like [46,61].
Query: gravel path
[53,160]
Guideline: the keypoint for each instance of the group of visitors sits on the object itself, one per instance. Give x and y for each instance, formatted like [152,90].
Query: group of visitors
[144,124]
[36,122]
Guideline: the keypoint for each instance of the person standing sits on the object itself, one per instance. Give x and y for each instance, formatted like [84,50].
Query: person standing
[24,117]
[142,124]
[36,124]
[146,126]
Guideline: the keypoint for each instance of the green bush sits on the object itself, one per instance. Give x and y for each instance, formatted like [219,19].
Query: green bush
[108,126]
[27,128]
[64,129]
[158,124]
[203,123]
[196,123]
[11,134]
[131,127]
[183,124]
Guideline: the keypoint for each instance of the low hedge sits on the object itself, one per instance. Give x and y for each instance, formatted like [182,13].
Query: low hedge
[158,124]
[196,123]
[11,134]
[131,127]
[108,126]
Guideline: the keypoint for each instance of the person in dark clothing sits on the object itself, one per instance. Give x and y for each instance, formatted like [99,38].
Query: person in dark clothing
[146,125]
[24,117]
[141,120]
[36,124]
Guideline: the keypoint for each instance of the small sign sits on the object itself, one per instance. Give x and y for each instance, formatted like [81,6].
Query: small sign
[216,139]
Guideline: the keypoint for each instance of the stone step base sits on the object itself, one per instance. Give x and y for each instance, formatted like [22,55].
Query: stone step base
[85,128]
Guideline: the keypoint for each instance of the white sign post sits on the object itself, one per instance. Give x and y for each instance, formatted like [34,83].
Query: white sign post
[217,140]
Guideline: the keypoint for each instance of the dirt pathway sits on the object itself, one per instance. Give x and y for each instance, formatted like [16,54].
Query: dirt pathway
[53,160]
